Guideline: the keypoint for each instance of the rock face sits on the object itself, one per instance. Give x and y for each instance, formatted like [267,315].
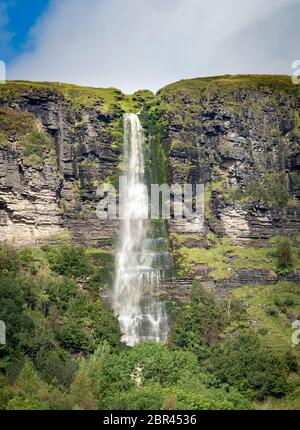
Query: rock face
[29,207]
[57,196]
[238,135]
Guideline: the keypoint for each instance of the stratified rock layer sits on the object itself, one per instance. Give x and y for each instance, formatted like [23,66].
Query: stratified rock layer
[58,196]
[238,135]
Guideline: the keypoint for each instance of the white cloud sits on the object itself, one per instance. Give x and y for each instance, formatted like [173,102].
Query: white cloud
[132,44]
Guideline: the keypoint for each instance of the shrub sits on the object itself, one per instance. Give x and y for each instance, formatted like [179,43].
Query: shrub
[149,376]
[35,144]
[241,361]
[67,260]
[284,256]
[199,323]
[7,254]
[81,390]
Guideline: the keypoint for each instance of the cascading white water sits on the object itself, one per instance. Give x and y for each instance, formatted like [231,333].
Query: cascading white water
[141,315]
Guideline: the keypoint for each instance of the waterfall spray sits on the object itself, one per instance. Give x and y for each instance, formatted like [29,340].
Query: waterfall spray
[141,315]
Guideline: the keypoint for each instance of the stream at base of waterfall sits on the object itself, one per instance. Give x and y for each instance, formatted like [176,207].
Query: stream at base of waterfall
[139,268]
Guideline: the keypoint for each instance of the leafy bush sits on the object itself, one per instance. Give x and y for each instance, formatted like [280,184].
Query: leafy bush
[241,361]
[67,260]
[284,256]
[63,344]
[48,318]
[201,322]
[149,375]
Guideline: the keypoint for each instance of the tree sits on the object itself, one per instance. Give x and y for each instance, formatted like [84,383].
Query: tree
[284,256]
[81,390]
[243,362]
[199,323]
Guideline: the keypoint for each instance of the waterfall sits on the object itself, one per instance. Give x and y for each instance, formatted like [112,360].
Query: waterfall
[136,291]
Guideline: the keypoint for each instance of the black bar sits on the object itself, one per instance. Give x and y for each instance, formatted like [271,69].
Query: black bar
[136,419]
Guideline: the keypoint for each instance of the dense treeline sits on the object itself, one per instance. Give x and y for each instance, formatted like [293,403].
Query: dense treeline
[64,348]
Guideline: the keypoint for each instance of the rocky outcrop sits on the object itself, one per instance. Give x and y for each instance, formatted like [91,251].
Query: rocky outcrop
[59,195]
[240,136]
[29,209]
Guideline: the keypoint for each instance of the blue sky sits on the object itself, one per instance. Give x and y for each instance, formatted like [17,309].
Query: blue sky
[133,44]
[20,16]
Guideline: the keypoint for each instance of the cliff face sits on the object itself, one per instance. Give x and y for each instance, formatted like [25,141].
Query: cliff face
[57,144]
[239,135]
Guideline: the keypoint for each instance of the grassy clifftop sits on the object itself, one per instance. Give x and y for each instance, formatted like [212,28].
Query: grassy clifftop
[274,82]
[111,100]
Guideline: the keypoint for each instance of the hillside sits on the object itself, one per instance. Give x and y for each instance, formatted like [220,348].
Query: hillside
[234,289]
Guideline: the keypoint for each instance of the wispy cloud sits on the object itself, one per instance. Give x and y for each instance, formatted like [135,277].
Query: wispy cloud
[136,44]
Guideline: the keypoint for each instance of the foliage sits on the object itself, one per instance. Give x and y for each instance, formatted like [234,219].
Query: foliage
[35,143]
[23,128]
[201,322]
[149,374]
[222,257]
[284,255]
[198,324]
[15,123]
[64,349]
[270,311]
[270,189]
[49,320]
[81,392]
[243,362]
[67,260]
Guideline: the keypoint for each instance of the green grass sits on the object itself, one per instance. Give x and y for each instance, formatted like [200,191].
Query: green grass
[255,258]
[215,258]
[110,100]
[224,257]
[35,145]
[25,130]
[271,309]
[78,95]
[14,123]
[275,82]
[290,402]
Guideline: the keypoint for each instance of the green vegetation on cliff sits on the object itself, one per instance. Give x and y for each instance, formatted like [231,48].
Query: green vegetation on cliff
[78,95]
[23,130]
[227,83]
[64,348]
[64,352]
[109,100]
[237,133]
[15,123]
[223,258]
